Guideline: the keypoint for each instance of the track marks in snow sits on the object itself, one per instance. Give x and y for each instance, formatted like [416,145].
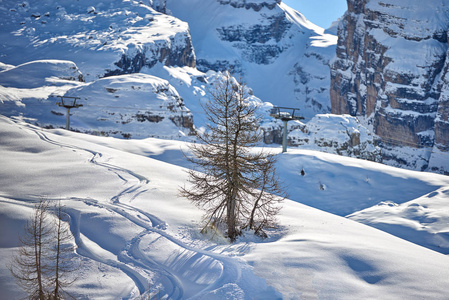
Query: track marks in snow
[92,250]
[127,176]
[153,256]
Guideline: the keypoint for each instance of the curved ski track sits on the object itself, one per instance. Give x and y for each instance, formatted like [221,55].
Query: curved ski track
[132,260]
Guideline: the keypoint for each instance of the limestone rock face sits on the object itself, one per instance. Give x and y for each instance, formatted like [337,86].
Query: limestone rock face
[339,134]
[251,4]
[178,51]
[442,117]
[282,56]
[391,70]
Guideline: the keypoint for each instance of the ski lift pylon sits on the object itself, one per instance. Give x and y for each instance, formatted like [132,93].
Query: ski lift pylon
[285,114]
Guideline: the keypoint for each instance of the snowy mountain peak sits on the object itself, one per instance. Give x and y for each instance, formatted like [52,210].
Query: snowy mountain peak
[281,56]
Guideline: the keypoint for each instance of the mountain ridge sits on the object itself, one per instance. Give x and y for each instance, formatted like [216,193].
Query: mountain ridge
[283,58]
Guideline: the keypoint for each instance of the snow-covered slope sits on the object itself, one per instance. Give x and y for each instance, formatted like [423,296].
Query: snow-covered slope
[37,79]
[134,105]
[52,47]
[143,105]
[135,236]
[423,221]
[137,105]
[101,37]
[338,134]
[277,51]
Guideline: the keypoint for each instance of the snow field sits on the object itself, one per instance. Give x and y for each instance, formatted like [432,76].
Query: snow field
[135,236]
[115,244]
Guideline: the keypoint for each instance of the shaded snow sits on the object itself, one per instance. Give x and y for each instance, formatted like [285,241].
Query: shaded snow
[134,233]
[281,55]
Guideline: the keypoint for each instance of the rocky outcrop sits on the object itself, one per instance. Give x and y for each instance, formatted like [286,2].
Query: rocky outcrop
[159,5]
[390,69]
[251,4]
[281,55]
[339,134]
[102,38]
[178,51]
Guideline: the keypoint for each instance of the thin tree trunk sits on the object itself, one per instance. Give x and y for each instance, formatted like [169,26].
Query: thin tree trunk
[41,215]
[58,252]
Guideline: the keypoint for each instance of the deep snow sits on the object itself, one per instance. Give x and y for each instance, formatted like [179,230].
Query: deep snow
[134,233]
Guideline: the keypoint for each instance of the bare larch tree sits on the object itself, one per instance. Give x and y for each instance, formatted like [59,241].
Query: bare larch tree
[62,254]
[45,261]
[29,266]
[233,182]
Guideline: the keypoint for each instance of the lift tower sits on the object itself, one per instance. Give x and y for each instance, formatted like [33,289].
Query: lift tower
[68,104]
[285,114]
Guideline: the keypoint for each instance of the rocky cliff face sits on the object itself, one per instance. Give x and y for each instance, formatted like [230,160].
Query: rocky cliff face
[281,55]
[391,70]
[442,117]
[251,4]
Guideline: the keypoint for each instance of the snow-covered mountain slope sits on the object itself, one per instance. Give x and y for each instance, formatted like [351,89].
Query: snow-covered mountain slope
[282,56]
[391,69]
[48,41]
[135,236]
[338,134]
[134,105]
[143,105]
[101,37]
[277,51]
[37,81]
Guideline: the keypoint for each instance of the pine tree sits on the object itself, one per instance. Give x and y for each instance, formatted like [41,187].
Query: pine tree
[235,182]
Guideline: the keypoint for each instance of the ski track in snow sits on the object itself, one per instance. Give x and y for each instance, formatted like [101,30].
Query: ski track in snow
[132,260]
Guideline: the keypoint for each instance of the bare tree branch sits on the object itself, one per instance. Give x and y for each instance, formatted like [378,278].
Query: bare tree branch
[44,263]
[234,184]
